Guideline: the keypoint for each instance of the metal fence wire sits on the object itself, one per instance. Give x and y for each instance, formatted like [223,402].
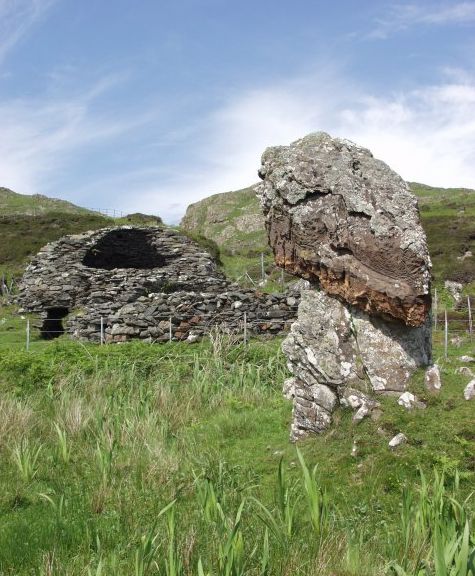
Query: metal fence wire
[33,328]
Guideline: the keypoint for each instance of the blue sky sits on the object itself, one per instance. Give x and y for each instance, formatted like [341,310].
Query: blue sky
[149,106]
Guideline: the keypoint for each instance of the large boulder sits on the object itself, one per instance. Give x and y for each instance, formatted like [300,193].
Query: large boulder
[340,217]
[349,225]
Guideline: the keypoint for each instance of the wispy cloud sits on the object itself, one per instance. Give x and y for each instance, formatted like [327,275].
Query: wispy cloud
[41,137]
[17,17]
[426,135]
[400,17]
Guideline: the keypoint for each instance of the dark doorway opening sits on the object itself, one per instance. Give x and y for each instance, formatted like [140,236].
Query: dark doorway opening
[53,323]
[124,249]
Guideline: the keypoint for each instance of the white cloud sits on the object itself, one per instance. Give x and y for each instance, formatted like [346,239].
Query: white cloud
[39,137]
[426,135]
[17,17]
[403,16]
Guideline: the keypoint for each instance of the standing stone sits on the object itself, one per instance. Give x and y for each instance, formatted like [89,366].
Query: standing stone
[349,225]
[432,379]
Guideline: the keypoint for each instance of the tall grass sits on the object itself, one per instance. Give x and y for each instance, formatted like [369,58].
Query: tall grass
[174,461]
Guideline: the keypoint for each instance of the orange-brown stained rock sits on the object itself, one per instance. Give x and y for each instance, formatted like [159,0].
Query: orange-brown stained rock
[339,217]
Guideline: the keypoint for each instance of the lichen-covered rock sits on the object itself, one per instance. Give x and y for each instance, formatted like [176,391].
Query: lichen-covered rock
[432,379]
[469,390]
[338,353]
[397,440]
[336,215]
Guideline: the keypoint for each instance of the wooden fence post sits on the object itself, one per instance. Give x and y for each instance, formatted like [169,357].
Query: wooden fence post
[263,276]
[470,325]
[446,335]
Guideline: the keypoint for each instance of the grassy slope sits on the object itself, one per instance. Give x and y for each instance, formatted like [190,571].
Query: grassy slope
[450,231]
[22,235]
[124,430]
[448,217]
[27,223]
[14,203]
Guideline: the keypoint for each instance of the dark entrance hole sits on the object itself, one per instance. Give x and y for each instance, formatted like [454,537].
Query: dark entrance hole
[53,323]
[124,249]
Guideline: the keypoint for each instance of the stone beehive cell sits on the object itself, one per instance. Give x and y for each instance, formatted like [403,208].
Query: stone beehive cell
[135,280]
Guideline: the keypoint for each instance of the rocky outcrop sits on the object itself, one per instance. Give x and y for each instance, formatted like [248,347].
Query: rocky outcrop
[337,216]
[233,220]
[142,282]
[341,355]
[346,222]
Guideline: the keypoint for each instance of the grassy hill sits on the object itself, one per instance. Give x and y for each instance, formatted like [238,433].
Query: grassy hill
[234,221]
[27,223]
[12,203]
[22,235]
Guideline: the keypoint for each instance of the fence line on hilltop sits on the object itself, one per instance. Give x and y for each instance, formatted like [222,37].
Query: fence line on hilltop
[111,212]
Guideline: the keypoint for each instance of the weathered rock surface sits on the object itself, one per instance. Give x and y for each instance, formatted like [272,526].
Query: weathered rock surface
[337,216]
[338,353]
[349,225]
[408,401]
[136,279]
[432,379]
[398,440]
[469,390]
[454,289]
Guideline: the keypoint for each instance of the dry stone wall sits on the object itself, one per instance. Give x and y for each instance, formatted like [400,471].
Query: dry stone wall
[133,280]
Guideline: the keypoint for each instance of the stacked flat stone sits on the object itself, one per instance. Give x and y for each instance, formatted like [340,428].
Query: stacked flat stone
[135,279]
[346,222]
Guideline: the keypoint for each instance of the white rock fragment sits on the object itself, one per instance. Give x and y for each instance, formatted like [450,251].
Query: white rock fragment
[469,392]
[407,400]
[363,411]
[466,359]
[397,440]
[432,379]
[464,371]
[454,289]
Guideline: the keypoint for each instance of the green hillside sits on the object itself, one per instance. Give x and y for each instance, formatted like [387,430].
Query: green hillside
[27,223]
[13,203]
[234,221]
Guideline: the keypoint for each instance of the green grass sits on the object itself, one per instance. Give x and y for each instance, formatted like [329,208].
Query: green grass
[448,217]
[12,203]
[96,441]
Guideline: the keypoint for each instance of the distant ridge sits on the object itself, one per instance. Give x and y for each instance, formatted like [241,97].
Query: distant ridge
[13,203]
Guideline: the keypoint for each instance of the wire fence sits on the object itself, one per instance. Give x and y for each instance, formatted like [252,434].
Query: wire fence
[24,330]
[110,212]
[28,330]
